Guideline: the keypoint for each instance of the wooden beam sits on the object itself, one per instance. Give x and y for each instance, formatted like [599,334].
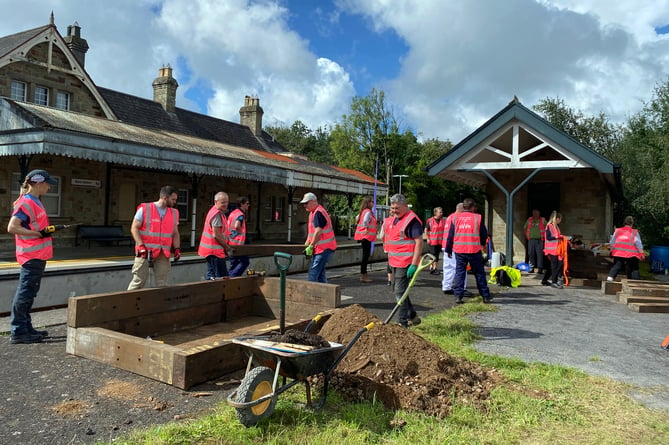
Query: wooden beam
[657,308]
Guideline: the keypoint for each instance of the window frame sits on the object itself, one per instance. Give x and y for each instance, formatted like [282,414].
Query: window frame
[39,89]
[67,96]
[274,209]
[182,204]
[13,88]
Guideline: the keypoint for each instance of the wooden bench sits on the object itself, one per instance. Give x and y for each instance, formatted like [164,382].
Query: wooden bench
[102,234]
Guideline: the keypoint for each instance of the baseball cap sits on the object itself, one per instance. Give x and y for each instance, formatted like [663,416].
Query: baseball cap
[308,197]
[41,176]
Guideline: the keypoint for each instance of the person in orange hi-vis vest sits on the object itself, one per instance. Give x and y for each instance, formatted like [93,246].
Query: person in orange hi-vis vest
[238,235]
[626,250]
[365,234]
[434,232]
[321,242]
[404,244]
[465,237]
[555,270]
[28,224]
[535,233]
[155,229]
[449,263]
[214,240]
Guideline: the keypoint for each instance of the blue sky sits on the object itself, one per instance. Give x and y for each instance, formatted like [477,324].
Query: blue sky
[445,66]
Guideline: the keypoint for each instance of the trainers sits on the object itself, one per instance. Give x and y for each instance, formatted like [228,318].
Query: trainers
[467,294]
[25,338]
[545,283]
[459,301]
[556,285]
[487,300]
[390,283]
[448,292]
[415,321]
[42,333]
[609,279]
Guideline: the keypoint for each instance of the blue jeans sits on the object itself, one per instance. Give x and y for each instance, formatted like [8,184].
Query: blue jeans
[29,282]
[216,267]
[475,260]
[317,269]
[238,265]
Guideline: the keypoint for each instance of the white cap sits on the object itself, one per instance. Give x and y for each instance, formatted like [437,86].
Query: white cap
[308,197]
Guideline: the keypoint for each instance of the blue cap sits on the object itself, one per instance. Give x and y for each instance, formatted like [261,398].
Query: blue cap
[38,176]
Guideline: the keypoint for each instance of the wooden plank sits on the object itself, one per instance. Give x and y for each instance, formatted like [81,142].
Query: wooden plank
[238,308]
[625,298]
[649,290]
[662,308]
[321,294]
[240,286]
[162,323]
[207,364]
[267,249]
[584,282]
[91,310]
[611,287]
[144,357]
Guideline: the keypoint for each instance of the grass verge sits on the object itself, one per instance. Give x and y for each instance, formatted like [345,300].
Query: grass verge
[537,404]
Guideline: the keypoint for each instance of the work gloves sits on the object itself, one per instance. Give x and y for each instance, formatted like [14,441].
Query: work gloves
[309,250]
[411,271]
[141,252]
[45,233]
[177,254]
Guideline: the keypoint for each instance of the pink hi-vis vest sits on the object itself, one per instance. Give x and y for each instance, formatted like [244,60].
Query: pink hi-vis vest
[31,247]
[623,244]
[467,234]
[447,228]
[240,238]
[208,243]
[399,247]
[360,233]
[435,231]
[327,239]
[157,233]
[550,246]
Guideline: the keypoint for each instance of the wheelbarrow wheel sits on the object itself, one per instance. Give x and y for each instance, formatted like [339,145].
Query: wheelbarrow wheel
[256,384]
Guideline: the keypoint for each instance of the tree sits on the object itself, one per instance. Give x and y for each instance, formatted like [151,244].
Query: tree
[298,138]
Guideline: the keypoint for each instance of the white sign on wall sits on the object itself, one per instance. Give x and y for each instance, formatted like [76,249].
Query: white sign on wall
[93,183]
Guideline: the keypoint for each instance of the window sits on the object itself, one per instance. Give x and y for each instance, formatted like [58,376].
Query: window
[50,201]
[63,100]
[18,90]
[41,95]
[273,209]
[182,204]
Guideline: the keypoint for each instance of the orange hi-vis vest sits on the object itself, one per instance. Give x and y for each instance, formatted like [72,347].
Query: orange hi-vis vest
[370,234]
[399,247]
[542,227]
[435,232]
[208,243]
[467,234]
[327,239]
[156,233]
[31,247]
[623,245]
[550,246]
[240,238]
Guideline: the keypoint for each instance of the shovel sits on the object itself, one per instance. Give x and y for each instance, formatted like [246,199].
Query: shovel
[425,261]
[282,261]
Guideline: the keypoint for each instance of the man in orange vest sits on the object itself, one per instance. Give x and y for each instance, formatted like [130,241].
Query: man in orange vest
[155,229]
[535,233]
[404,244]
[626,250]
[321,242]
[28,224]
[434,230]
[465,237]
[237,236]
[214,239]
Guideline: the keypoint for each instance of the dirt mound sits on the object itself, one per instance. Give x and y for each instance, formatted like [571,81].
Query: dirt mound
[401,369]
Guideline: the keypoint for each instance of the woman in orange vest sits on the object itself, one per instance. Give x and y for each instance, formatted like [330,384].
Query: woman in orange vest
[29,224]
[434,230]
[237,232]
[556,262]
[365,234]
[626,250]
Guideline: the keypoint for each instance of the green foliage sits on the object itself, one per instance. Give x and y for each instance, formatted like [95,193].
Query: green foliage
[298,138]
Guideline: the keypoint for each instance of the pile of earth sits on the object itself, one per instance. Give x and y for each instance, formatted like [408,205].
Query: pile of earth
[401,369]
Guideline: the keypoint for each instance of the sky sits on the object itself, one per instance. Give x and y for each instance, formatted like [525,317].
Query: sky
[445,66]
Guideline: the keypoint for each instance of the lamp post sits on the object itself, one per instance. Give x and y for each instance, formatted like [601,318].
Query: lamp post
[400,176]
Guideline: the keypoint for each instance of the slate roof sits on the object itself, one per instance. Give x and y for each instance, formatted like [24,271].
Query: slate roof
[11,42]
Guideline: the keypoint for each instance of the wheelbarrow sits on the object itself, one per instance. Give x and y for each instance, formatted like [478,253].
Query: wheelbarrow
[259,390]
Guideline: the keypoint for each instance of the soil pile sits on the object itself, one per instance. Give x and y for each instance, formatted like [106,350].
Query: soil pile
[299,338]
[401,369]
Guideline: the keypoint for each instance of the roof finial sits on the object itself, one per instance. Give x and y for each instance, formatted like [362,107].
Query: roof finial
[51,21]
[515,100]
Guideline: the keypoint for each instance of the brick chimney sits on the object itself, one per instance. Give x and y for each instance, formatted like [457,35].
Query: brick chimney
[251,114]
[77,45]
[165,89]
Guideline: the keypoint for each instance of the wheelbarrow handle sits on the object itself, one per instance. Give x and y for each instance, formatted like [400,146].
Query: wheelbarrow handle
[313,321]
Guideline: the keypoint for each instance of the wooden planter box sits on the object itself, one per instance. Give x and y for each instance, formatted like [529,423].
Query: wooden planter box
[181,335]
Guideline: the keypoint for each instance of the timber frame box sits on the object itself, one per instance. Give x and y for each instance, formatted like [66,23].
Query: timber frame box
[181,335]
